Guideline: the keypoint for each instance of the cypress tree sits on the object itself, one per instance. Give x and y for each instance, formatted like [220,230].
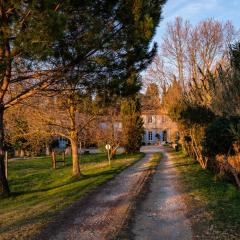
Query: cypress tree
[132,124]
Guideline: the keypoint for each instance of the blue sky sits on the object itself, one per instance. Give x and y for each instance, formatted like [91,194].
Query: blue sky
[197,10]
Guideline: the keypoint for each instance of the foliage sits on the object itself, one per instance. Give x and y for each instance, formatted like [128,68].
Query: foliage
[225,85]
[219,138]
[188,115]
[197,115]
[235,55]
[157,135]
[132,124]
[47,45]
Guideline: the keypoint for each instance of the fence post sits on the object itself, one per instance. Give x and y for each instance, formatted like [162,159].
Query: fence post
[53,160]
[6,164]
[63,158]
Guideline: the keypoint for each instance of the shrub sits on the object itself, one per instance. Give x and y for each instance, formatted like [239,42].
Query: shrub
[219,138]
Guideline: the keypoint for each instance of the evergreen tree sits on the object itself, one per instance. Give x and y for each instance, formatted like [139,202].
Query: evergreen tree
[28,30]
[86,45]
[132,124]
[151,100]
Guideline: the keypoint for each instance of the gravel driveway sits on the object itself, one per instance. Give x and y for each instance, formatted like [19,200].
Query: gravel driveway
[161,216]
[100,215]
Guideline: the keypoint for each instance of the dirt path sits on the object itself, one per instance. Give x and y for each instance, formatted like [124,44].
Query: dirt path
[161,216]
[100,215]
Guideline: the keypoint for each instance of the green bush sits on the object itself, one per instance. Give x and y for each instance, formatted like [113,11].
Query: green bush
[188,115]
[219,137]
[231,192]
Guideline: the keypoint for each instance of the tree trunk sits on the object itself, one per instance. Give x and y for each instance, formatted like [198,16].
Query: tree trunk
[74,136]
[200,158]
[68,150]
[4,188]
[4,83]
[47,150]
[74,147]
[16,153]
[22,153]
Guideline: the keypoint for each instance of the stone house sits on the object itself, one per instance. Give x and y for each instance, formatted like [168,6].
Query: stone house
[158,126]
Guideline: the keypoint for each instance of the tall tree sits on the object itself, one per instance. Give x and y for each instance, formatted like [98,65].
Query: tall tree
[67,114]
[108,68]
[132,124]
[188,52]
[44,41]
[27,32]
[174,47]
[224,85]
[151,100]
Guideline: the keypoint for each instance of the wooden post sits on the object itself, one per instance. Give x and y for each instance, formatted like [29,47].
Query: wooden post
[6,164]
[109,159]
[63,158]
[108,147]
[79,156]
[53,159]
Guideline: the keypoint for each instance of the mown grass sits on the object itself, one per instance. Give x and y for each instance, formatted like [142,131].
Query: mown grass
[39,192]
[219,198]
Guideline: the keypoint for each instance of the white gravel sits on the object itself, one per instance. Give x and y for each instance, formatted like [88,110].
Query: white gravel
[103,215]
[161,216]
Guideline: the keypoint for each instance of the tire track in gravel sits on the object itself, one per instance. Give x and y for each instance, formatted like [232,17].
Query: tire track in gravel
[161,215]
[100,215]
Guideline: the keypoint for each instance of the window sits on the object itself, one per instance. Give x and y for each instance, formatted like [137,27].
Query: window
[150,119]
[165,135]
[150,136]
[116,125]
[103,125]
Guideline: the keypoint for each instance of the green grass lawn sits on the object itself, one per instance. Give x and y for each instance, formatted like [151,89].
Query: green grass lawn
[217,198]
[39,192]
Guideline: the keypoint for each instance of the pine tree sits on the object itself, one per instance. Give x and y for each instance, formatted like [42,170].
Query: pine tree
[28,30]
[76,44]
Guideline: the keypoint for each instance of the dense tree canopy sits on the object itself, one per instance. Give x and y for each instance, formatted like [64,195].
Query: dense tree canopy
[72,46]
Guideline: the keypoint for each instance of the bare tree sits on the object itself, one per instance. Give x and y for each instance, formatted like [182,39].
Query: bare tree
[66,114]
[189,52]
[174,47]
[157,73]
[108,129]
[21,134]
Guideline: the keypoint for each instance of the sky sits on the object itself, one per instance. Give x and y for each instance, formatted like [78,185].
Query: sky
[197,10]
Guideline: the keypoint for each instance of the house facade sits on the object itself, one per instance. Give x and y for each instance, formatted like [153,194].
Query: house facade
[159,128]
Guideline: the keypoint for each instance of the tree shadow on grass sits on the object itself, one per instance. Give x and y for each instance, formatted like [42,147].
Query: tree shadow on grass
[70,181]
[38,218]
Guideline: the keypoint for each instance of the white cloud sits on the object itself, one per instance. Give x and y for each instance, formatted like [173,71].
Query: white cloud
[189,9]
